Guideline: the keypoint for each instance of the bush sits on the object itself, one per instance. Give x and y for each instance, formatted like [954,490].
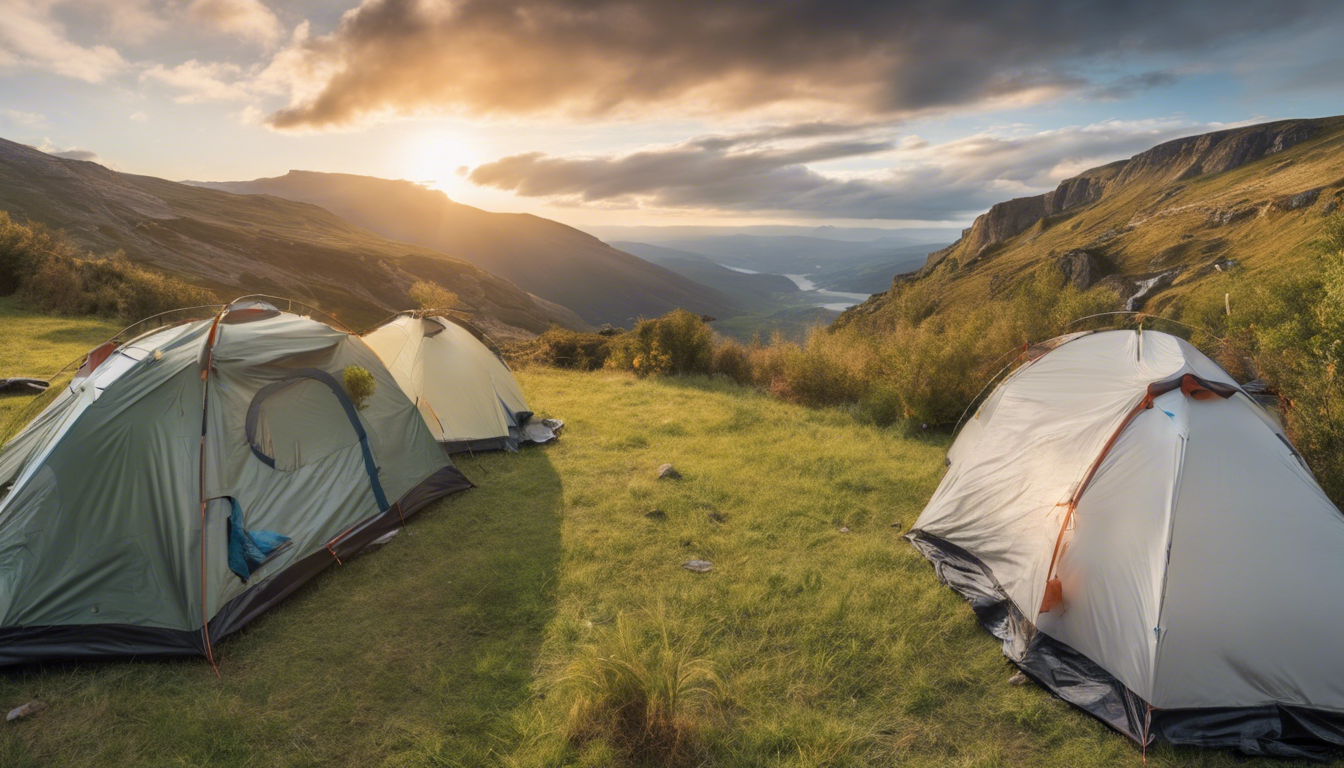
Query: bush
[734,361]
[51,275]
[563,348]
[676,343]
[430,295]
[643,700]
[359,385]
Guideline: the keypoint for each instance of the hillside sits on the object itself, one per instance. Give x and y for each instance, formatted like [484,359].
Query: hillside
[239,244]
[556,262]
[1159,228]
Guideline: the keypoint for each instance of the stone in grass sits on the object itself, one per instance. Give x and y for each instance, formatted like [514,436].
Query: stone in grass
[1018,679]
[699,566]
[668,472]
[27,710]
[656,514]
[844,529]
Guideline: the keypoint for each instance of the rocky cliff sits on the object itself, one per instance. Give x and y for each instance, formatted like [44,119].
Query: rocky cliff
[1177,160]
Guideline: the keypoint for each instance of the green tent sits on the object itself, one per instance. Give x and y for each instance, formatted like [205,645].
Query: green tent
[192,477]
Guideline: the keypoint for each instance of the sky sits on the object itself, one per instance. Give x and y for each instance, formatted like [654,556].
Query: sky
[626,113]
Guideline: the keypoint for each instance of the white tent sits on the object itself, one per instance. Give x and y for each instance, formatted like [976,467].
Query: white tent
[465,392]
[1149,546]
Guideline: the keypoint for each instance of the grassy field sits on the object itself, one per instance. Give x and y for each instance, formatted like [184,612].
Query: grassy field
[455,644]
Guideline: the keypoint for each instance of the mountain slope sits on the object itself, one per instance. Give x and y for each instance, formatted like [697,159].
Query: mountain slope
[557,262]
[1159,228]
[754,290]
[239,244]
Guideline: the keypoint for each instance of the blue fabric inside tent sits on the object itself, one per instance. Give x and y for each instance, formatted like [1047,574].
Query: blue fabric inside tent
[249,549]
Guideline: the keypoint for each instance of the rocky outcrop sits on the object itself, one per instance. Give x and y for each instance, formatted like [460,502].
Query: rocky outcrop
[1082,269]
[1172,161]
[1300,200]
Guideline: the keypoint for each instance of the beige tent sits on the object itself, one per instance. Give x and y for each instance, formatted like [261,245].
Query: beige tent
[465,393]
[1149,546]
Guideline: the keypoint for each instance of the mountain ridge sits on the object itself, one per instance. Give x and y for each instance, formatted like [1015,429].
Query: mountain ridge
[249,244]
[1160,228]
[555,261]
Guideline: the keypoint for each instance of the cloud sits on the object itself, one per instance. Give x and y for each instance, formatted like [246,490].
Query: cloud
[200,81]
[31,38]
[18,117]
[1132,85]
[249,19]
[139,117]
[620,57]
[69,153]
[925,181]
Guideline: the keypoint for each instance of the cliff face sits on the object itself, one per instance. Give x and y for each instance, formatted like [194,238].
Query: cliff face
[1175,160]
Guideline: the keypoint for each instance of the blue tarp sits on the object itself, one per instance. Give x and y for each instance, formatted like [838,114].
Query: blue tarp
[249,549]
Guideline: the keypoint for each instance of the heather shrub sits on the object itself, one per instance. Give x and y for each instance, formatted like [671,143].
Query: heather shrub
[431,295]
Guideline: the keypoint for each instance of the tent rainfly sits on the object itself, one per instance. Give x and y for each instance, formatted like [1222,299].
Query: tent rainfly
[192,477]
[465,392]
[1149,546]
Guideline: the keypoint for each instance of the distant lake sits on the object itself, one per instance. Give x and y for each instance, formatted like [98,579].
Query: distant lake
[837,301]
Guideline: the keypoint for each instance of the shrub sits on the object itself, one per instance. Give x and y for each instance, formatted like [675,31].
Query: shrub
[733,360]
[643,700]
[676,343]
[567,349]
[430,295]
[50,274]
[359,385]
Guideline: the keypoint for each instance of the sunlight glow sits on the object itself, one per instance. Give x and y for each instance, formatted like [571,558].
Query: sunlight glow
[437,159]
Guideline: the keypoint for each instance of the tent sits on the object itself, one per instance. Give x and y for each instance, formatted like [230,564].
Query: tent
[190,478]
[1148,545]
[464,391]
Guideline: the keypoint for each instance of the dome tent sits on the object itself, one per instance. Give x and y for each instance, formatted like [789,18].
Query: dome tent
[192,477]
[1149,546]
[466,394]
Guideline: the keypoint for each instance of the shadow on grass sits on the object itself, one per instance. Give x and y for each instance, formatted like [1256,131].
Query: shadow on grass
[416,652]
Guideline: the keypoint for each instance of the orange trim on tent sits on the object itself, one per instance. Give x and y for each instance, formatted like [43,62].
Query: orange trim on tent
[1191,386]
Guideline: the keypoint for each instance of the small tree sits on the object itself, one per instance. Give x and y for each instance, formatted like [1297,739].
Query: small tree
[430,295]
[359,385]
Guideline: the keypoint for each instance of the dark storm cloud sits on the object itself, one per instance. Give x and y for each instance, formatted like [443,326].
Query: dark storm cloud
[1132,85]
[746,173]
[615,57]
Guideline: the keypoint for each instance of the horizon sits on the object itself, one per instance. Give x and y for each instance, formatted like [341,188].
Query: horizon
[856,116]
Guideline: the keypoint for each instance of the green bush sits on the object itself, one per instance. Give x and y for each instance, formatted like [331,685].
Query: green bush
[359,385]
[676,343]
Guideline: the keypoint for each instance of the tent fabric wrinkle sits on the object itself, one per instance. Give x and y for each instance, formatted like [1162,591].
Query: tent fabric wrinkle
[1104,512]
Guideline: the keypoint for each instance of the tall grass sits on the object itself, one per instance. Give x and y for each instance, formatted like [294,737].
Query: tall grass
[641,695]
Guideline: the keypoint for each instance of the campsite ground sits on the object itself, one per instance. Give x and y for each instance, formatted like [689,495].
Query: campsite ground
[451,645]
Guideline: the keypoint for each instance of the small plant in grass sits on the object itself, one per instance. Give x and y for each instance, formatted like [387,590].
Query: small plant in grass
[642,699]
[359,385]
[430,295]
